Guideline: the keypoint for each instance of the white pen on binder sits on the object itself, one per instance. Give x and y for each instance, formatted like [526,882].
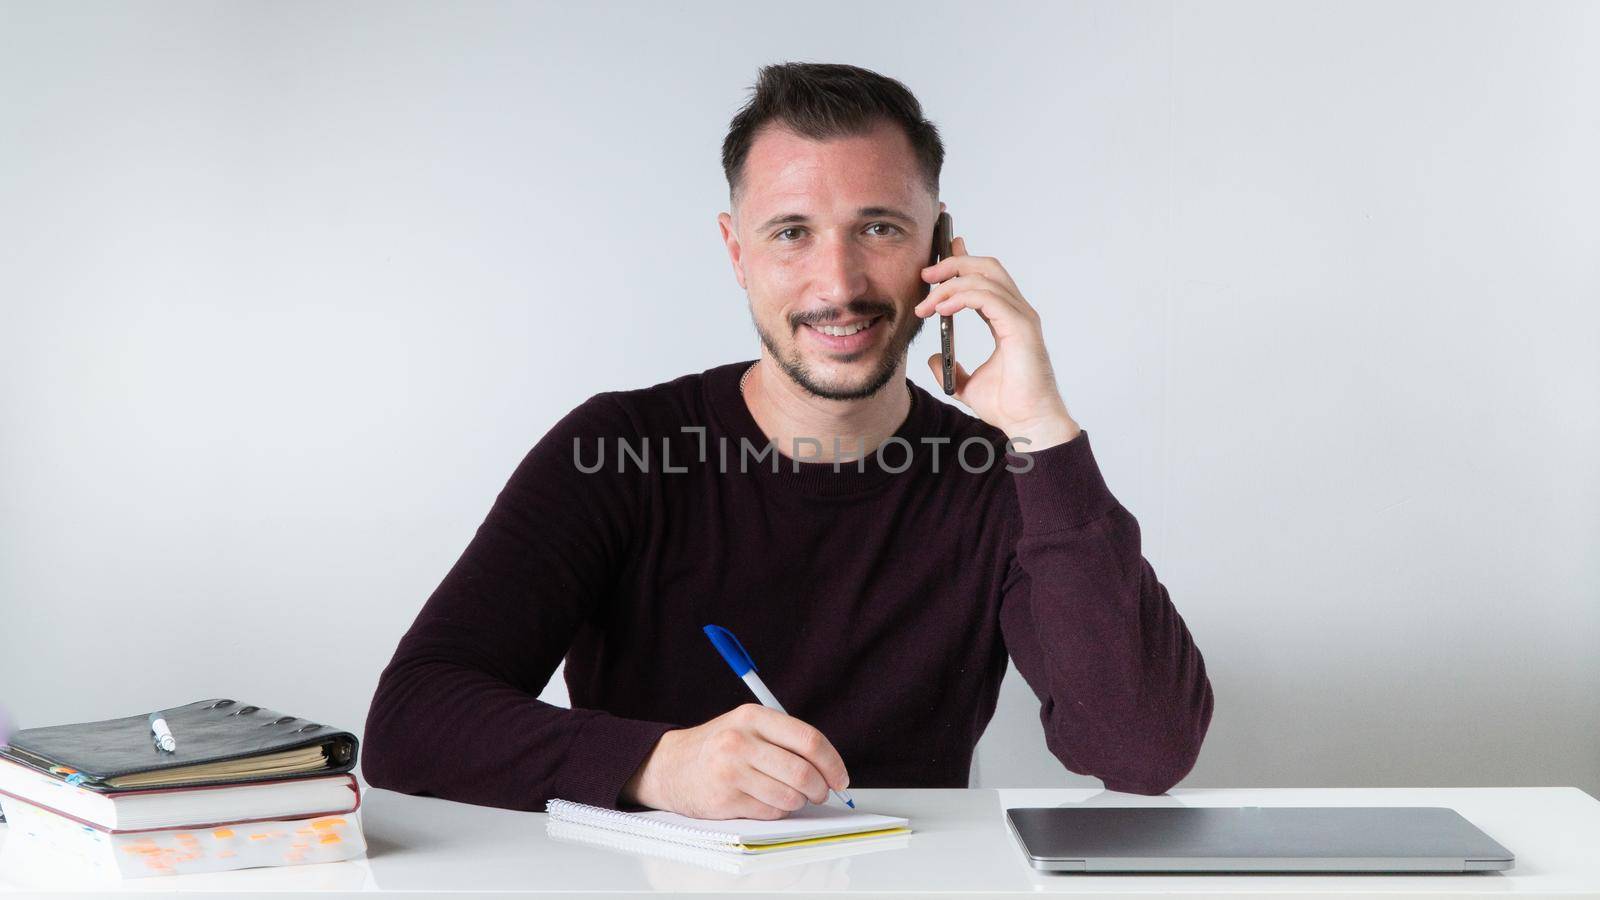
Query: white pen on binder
[161,735]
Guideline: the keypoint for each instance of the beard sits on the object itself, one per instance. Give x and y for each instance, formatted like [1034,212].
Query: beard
[892,353]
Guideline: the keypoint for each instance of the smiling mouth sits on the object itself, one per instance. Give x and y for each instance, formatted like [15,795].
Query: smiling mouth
[846,330]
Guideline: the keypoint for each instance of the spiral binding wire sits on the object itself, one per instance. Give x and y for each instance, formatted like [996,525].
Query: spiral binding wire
[630,823]
[594,835]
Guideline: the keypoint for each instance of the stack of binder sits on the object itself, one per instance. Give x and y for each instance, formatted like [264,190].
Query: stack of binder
[236,786]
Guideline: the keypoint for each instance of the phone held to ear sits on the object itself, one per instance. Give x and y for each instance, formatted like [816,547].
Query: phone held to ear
[943,231]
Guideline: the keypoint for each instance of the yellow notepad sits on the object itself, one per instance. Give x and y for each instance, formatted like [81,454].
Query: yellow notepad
[804,827]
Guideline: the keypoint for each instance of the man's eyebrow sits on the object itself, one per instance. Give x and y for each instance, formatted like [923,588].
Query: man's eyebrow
[885,212]
[865,212]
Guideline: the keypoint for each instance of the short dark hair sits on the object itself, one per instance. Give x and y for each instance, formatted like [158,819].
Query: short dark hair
[828,100]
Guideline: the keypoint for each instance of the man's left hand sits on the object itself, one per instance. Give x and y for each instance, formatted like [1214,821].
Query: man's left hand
[1015,388]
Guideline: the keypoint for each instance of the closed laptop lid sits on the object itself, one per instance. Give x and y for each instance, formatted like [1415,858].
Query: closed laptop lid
[1254,839]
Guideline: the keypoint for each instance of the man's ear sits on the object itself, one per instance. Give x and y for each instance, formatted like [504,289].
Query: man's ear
[731,240]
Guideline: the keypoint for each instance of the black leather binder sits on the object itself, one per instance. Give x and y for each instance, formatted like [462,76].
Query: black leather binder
[94,755]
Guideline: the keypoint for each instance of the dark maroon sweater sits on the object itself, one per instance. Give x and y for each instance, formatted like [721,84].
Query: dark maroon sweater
[878,605]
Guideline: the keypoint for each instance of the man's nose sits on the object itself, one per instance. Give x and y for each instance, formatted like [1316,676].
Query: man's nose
[841,271]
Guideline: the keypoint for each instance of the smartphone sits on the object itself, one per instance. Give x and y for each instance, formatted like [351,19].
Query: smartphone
[943,231]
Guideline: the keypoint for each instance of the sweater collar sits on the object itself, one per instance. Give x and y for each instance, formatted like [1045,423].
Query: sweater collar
[903,457]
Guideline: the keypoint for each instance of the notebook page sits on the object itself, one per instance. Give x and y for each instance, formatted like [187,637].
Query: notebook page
[720,858]
[809,821]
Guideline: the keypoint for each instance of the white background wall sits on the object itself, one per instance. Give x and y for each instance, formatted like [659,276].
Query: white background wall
[288,290]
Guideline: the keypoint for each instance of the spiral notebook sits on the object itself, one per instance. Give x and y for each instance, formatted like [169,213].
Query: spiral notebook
[808,826]
[717,860]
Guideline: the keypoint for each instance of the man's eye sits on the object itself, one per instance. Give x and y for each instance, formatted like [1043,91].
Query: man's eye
[780,235]
[895,228]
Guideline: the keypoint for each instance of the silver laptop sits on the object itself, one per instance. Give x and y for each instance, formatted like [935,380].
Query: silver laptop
[1254,839]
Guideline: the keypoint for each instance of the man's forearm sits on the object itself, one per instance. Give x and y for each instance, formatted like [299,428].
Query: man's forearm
[1042,434]
[1122,684]
[456,712]
[444,728]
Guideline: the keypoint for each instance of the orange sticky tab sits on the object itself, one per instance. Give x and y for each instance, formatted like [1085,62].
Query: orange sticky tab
[325,824]
[222,833]
[331,839]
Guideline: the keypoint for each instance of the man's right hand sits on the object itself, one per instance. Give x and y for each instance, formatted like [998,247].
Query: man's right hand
[749,763]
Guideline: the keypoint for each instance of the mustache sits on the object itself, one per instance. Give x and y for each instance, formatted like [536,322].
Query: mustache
[861,306]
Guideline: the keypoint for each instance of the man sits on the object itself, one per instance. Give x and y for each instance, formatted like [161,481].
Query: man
[879,567]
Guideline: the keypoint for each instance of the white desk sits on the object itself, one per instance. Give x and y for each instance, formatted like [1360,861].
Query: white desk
[960,845]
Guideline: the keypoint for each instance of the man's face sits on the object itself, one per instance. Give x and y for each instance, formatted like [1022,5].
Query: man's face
[829,240]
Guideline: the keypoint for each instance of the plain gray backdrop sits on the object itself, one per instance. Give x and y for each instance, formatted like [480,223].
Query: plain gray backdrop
[289,289]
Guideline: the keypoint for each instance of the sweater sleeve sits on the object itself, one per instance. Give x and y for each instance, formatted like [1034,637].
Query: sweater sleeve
[456,712]
[1122,687]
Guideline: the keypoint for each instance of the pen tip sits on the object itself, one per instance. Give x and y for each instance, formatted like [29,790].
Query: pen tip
[850,803]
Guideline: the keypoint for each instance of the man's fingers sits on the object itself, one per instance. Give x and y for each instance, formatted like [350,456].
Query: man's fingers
[961,262]
[791,770]
[936,365]
[770,792]
[998,311]
[990,265]
[742,806]
[804,740]
[940,295]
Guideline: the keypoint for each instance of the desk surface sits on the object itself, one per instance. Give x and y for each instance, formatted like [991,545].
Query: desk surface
[960,845]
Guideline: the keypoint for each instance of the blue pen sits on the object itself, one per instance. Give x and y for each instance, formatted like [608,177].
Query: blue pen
[733,652]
